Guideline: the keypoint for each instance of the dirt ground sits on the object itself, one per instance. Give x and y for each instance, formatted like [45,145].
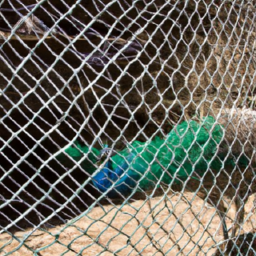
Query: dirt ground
[176,225]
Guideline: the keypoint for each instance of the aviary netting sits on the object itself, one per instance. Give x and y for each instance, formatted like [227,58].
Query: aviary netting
[193,156]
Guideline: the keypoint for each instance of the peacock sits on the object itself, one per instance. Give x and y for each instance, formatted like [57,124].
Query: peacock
[76,152]
[187,151]
[193,154]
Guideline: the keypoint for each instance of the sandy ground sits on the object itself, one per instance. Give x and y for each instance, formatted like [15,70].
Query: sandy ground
[182,226]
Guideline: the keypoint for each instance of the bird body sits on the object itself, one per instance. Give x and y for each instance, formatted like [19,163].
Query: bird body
[192,148]
[117,176]
[188,151]
[193,152]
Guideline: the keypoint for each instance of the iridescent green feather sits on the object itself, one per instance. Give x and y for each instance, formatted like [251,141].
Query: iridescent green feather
[189,150]
[76,153]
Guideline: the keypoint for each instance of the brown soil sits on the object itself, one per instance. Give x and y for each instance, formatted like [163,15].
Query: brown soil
[130,230]
[208,67]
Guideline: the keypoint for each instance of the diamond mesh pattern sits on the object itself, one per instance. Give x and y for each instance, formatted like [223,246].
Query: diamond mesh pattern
[100,88]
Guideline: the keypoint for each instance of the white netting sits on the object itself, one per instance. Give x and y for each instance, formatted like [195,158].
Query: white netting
[127,127]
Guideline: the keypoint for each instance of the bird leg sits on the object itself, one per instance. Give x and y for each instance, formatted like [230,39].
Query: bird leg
[239,216]
[221,209]
[213,198]
[240,201]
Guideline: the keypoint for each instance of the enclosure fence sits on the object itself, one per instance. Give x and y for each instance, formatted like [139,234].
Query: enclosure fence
[127,127]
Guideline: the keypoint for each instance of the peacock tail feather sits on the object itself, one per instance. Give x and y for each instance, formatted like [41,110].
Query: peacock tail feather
[76,153]
[188,151]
